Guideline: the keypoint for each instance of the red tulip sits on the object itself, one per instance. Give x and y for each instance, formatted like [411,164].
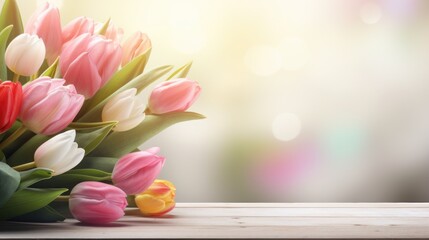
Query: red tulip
[10,103]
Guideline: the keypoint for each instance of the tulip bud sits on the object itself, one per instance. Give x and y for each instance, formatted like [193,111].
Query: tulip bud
[97,202]
[25,54]
[11,101]
[126,108]
[88,62]
[174,96]
[77,27]
[134,46]
[59,153]
[46,24]
[158,199]
[136,171]
[48,106]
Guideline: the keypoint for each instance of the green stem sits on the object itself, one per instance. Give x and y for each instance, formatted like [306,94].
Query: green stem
[25,166]
[15,135]
[15,77]
[63,198]
[32,77]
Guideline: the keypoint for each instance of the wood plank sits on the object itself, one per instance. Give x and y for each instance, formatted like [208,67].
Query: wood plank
[262,220]
[303,212]
[306,205]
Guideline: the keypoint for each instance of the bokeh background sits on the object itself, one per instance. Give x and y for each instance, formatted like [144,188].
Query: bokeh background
[305,100]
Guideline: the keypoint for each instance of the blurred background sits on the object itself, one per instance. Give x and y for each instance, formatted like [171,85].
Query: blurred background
[306,100]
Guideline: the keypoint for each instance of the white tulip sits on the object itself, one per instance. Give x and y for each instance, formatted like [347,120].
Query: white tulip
[126,108]
[59,153]
[25,54]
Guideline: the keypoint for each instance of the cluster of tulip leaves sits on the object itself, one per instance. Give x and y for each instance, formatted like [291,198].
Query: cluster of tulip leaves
[26,196]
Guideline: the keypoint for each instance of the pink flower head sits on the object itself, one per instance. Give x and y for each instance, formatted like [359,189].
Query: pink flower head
[77,27]
[97,203]
[46,24]
[112,32]
[88,62]
[134,46]
[48,106]
[136,171]
[174,96]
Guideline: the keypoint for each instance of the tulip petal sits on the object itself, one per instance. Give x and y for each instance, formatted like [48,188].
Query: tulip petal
[174,96]
[75,104]
[130,123]
[149,204]
[72,50]
[74,157]
[120,106]
[54,151]
[83,74]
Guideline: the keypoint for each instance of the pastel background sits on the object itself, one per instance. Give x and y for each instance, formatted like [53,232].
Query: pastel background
[305,100]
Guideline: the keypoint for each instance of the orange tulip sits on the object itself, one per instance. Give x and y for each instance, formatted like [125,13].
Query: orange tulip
[158,199]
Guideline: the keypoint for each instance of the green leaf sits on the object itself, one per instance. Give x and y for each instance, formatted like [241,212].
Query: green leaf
[103,29]
[62,208]
[182,72]
[18,143]
[79,125]
[26,152]
[140,82]
[101,163]
[4,36]
[118,144]
[119,79]
[28,200]
[9,181]
[2,157]
[90,138]
[75,176]
[43,215]
[51,70]
[33,176]
[10,15]
[91,174]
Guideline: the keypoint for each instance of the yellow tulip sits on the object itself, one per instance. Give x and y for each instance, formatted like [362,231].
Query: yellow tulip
[158,199]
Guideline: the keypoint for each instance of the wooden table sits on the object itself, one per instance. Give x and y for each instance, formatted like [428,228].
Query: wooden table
[250,220]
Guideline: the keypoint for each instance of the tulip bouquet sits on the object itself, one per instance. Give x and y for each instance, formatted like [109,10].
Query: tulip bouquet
[72,116]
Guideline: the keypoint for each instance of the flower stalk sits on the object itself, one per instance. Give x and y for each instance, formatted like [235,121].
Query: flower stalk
[15,135]
[25,166]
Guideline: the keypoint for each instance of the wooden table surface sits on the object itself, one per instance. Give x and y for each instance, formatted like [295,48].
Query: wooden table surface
[249,220]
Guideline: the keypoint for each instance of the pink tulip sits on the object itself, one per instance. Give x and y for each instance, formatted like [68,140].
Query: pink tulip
[174,96]
[113,33]
[48,106]
[46,24]
[136,171]
[88,62]
[77,27]
[97,203]
[134,46]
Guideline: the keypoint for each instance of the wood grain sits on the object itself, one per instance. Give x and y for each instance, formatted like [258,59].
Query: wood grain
[249,220]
